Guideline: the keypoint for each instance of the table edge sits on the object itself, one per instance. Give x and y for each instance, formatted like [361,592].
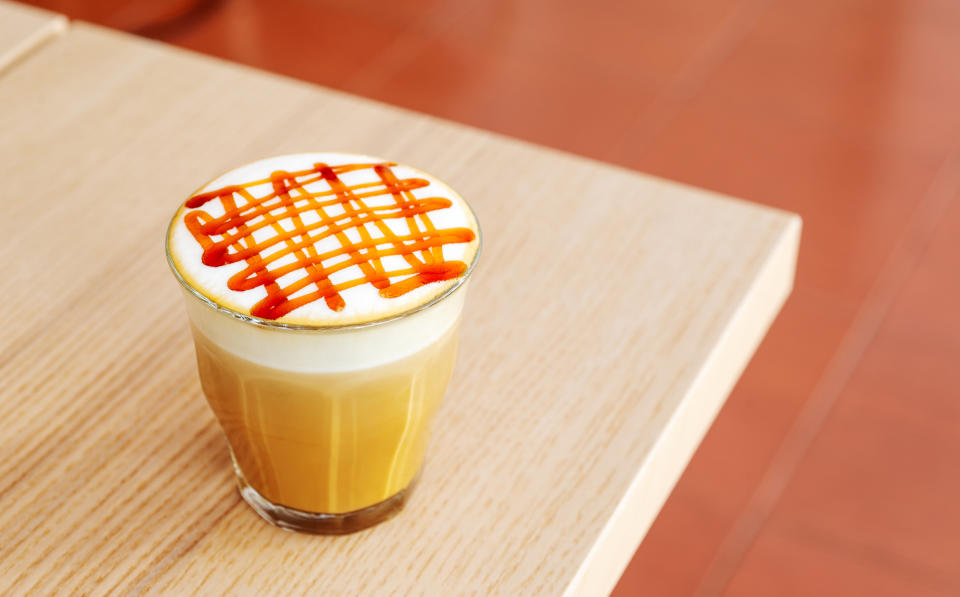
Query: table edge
[654,481]
[56,25]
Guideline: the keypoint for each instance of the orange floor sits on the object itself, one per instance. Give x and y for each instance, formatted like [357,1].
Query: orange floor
[834,468]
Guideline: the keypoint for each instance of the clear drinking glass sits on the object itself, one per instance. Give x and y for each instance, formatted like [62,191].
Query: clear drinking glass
[318,444]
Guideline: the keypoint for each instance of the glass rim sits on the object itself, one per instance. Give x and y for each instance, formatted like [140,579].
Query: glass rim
[278,325]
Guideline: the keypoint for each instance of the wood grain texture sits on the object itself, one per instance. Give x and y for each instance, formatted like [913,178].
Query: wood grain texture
[609,317]
[24,28]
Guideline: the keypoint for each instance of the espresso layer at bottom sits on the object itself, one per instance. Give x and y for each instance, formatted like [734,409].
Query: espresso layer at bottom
[327,442]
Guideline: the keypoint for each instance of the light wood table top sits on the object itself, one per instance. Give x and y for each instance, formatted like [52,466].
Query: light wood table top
[24,28]
[609,318]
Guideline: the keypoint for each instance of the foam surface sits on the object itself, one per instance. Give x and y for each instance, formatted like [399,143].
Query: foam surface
[362,303]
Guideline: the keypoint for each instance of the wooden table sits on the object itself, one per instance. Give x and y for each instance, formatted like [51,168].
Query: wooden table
[609,318]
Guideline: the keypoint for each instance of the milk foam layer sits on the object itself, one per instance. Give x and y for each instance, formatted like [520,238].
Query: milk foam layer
[409,326]
[330,351]
[362,303]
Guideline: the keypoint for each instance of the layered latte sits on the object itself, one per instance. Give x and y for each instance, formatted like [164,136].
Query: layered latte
[324,292]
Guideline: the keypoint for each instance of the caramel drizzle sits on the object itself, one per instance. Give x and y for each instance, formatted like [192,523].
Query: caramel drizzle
[229,238]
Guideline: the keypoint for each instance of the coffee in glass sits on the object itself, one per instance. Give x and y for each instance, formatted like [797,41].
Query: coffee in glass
[324,293]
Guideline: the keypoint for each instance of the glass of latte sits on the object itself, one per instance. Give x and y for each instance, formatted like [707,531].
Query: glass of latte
[324,292]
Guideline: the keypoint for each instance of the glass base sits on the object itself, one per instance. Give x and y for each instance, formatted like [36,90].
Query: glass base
[323,524]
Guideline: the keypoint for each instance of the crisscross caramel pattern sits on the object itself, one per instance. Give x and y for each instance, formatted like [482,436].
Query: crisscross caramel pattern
[229,238]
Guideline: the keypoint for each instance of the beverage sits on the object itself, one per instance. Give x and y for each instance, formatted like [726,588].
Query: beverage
[324,293]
